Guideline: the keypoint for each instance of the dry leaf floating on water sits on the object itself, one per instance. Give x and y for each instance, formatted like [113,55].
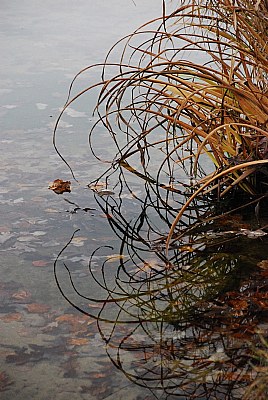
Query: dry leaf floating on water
[59,186]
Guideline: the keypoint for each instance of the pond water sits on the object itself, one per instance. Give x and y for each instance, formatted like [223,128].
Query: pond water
[44,44]
[134,326]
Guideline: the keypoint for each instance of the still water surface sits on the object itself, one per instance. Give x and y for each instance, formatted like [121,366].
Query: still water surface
[48,350]
[183,326]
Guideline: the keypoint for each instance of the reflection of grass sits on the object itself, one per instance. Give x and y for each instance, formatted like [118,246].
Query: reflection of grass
[175,322]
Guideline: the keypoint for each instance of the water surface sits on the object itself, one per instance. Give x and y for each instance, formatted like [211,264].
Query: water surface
[48,350]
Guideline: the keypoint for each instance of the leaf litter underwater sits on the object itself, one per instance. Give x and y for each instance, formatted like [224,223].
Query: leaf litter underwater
[174,332]
[42,340]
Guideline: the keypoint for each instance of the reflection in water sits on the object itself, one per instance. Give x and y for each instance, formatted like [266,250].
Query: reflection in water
[182,324]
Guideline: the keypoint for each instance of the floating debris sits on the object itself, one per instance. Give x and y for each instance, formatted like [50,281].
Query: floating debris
[59,186]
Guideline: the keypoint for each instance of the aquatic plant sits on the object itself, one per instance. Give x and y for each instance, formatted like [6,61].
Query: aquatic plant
[185,110]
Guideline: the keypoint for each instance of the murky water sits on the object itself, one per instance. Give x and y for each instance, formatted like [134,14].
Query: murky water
[48,350]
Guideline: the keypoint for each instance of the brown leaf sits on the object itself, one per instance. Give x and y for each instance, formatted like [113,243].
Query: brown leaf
[11,317]
[78,341]
[71,318]
[78,323]
[59,186]
[98,375]
[238,304]
[21,295]
[37,308]
[40,263]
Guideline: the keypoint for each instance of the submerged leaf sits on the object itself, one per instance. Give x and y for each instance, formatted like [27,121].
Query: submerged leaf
[37,308]
[104,192]
[21,295]
[77,323]
[11,317]
[40,263]
[78,341]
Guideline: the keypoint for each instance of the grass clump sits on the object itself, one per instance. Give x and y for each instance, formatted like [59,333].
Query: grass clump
[187,104]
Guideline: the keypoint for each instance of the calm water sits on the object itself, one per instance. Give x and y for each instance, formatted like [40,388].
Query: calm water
[184,329]
[48,350]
